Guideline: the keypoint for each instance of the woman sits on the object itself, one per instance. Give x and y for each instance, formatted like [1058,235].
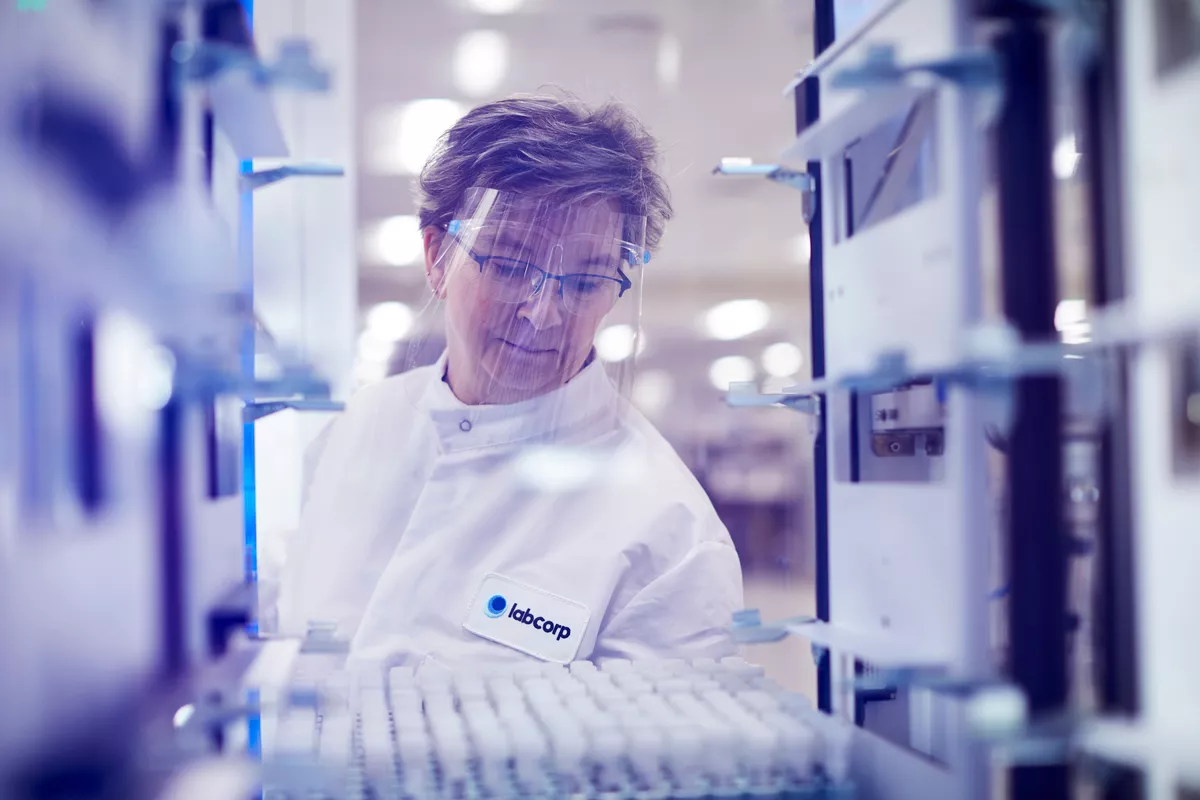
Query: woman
[428,533]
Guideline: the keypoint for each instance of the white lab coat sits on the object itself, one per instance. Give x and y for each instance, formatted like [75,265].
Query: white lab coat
[416,498]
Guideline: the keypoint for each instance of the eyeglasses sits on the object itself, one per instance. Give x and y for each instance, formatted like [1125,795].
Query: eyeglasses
[515,281]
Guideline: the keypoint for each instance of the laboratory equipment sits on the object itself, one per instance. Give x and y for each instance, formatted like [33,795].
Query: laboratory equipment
[652,728]
[894,151]
[919,398]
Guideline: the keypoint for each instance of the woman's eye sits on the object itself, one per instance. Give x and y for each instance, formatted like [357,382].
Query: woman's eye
[587,285]
[507,269]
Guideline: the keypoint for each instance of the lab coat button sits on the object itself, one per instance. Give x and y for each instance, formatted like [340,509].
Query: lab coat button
[465,425]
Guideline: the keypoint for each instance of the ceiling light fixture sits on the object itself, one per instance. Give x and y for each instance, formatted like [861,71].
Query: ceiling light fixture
[395,241]
[390,321]
[402,139]
[669,61]
[616,343]
[730,369]
[480,62]
[495,6]
[782,359]
[736,319]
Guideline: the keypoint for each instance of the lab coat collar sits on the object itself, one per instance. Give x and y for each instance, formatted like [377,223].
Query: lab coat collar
[584,407]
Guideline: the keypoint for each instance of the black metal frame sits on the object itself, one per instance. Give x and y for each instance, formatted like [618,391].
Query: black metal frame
[1115,641]
[1036,537]
[89,430]
[1102,156]
[808,111]
[172,511]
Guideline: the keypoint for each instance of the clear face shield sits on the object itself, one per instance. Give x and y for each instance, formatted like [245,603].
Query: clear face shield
[531,295]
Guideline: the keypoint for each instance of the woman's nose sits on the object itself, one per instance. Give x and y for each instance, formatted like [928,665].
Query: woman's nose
[544,308]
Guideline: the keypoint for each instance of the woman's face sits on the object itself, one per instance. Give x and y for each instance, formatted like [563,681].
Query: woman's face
[514,330]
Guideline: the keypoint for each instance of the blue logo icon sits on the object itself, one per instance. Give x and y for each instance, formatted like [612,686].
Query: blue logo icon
[495,605]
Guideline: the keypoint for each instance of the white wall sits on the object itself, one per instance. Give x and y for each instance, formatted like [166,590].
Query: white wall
[305,276]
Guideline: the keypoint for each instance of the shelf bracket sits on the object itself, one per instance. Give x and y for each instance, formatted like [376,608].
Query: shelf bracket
[252,412]
[978,69]
[257,180]
[805,183]
[746,395]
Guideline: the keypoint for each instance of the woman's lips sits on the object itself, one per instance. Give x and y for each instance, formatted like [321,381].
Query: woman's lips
[524,348]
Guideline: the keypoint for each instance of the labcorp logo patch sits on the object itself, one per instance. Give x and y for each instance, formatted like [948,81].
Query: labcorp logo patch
[527,616]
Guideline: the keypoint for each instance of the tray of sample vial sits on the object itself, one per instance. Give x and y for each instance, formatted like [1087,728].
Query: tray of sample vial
[645,729]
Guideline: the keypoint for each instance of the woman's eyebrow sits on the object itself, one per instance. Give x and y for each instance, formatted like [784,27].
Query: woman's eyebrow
[512,239]
[597,260]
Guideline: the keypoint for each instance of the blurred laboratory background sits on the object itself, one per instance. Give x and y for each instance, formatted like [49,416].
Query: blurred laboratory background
[954,433]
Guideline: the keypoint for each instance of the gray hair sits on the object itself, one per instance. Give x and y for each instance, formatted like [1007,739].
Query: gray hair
[554,147]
